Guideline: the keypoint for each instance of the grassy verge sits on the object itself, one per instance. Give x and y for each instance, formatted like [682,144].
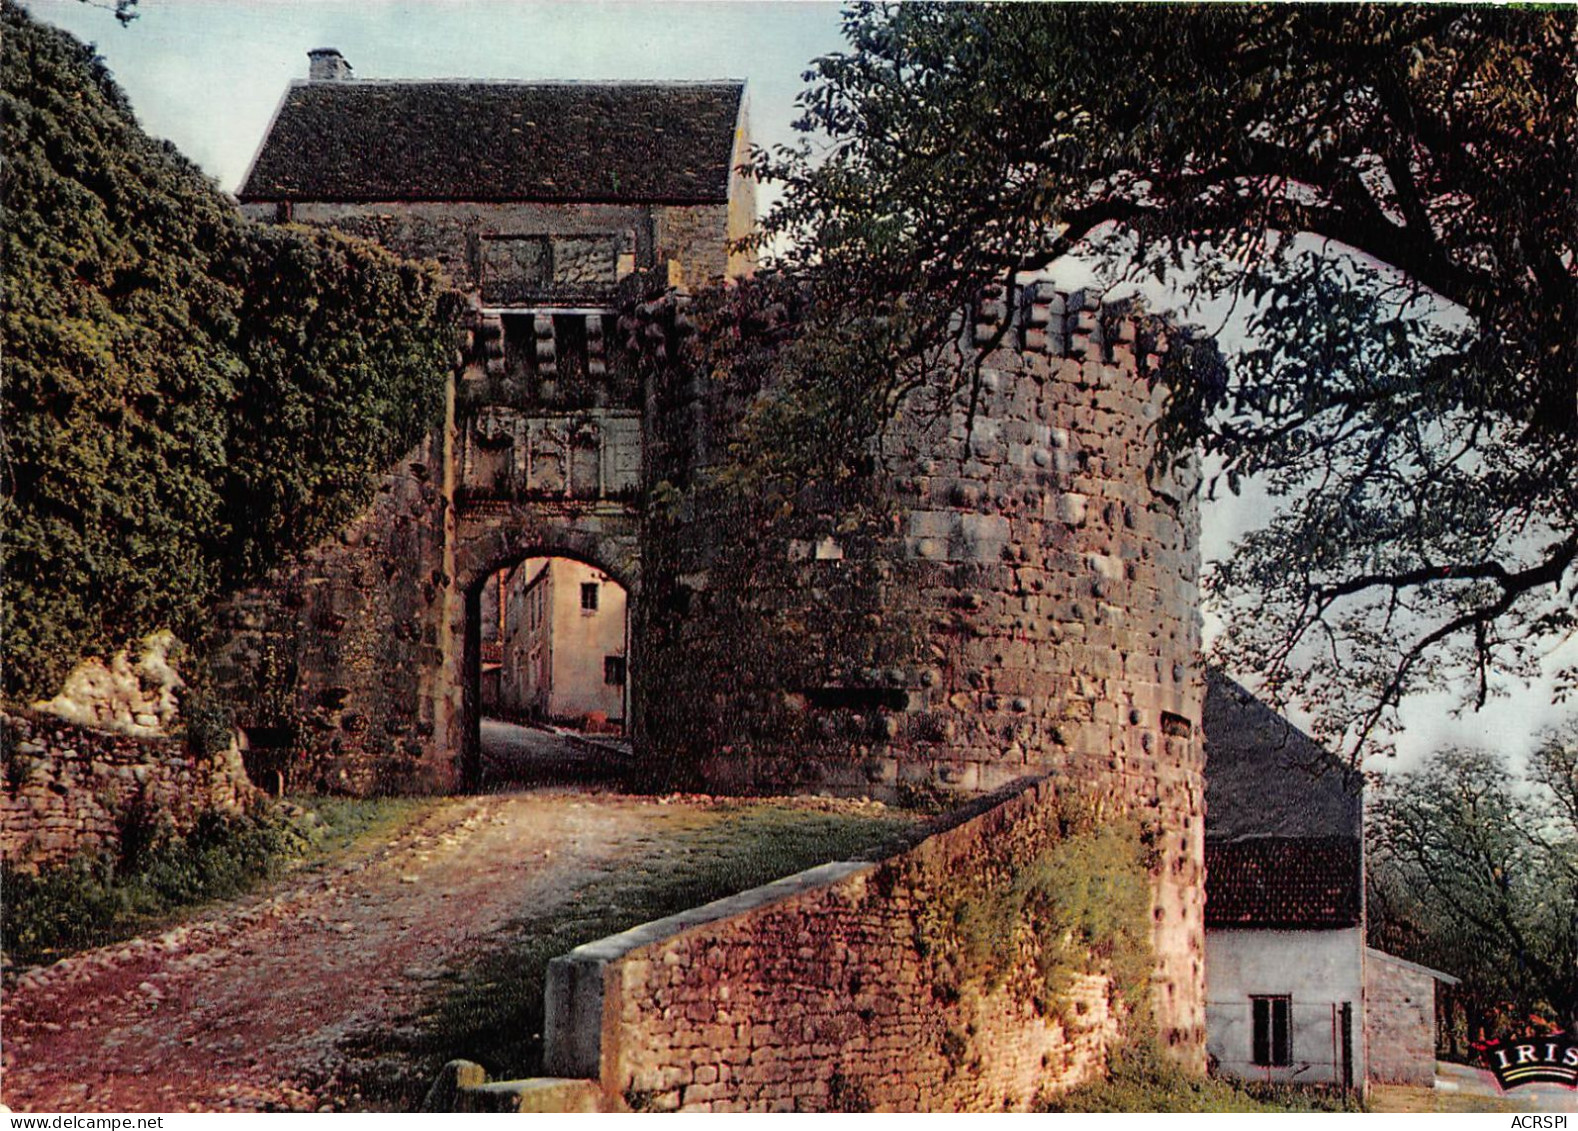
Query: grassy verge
[492,1011]
[1403,1098]
[157,878]
[1142,1080]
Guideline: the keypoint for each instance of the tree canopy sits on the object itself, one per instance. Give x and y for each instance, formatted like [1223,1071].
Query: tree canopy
[188,397]
[1387,193]
[1474,870]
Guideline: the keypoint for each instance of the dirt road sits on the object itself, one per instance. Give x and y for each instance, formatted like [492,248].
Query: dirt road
[244,1007]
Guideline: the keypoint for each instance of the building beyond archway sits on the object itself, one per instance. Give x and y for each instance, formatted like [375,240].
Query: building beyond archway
[545,657]
[553,645]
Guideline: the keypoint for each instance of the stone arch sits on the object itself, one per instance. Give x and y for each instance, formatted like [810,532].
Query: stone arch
[490,538]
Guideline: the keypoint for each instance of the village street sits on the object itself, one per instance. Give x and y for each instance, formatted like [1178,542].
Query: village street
[523,755]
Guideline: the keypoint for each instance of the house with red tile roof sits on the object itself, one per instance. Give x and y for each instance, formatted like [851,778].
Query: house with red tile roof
[1292,992]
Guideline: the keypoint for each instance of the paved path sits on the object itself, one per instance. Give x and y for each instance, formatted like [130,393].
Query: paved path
[242,1008]
[522,755]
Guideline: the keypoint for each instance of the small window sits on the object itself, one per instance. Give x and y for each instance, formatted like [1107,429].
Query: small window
[614,670]
[1273,1045]
[589,597]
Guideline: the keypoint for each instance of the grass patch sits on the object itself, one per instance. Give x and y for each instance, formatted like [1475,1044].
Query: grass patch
[1398,1098]
[492,1011]
[158,877]
[1141,1079]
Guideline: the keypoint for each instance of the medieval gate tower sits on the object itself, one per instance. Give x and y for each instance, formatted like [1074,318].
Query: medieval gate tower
[1022,602]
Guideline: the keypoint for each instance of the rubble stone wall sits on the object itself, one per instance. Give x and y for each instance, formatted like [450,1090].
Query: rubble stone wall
[70,791]
[337,667]
[839,989]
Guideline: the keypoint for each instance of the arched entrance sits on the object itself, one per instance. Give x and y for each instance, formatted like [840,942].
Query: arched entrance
[552,694]
[548,604]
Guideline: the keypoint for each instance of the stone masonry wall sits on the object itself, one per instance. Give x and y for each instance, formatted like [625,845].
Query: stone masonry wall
[457,235]
[70,791]
[337,667]
[835,990]
[1006,595]
[1399,1021]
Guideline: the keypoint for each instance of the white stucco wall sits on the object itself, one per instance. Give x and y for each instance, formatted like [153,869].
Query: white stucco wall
[553,659]
[1318,970]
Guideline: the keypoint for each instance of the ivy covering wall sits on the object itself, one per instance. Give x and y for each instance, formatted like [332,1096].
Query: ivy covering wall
[189,397]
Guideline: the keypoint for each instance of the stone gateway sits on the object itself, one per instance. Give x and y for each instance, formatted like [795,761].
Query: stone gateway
[1013,593]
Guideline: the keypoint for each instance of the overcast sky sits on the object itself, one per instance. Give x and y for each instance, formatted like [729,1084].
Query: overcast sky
[208,76]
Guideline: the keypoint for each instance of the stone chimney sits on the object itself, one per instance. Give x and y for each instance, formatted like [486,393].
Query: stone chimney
[327,65]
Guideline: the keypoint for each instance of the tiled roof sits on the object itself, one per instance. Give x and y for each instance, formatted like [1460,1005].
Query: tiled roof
[358,140]
[1282,881]
[1265,777]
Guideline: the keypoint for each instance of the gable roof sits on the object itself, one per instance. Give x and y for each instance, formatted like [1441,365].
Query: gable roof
[1284,820]
[628,142]
[1265,777]
[1280,881]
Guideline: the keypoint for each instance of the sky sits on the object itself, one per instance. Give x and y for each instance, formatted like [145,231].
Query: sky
[208,76]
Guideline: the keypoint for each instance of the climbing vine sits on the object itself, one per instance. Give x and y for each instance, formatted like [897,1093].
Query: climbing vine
[1075,902]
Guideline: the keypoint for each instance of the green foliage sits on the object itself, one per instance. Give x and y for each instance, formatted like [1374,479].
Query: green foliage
[1416,402]
[1082,900]
[188,397]
[342,350]
[157,875]
[799,388]
[93,903]
[1142,1078]
[1474,871]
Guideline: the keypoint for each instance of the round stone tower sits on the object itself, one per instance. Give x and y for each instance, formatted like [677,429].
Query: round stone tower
[1012,592]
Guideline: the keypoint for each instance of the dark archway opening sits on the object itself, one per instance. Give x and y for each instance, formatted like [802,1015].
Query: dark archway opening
[548,681]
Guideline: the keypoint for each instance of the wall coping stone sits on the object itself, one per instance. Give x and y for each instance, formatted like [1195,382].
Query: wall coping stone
[572,1034]
[573,993]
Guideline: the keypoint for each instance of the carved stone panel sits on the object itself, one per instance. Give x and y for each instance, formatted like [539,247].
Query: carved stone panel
[515,269]
[547,457]
[529,270]
[508,454]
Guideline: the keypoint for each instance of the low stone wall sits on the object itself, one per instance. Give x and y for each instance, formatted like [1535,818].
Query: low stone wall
[71,791]
[841,988]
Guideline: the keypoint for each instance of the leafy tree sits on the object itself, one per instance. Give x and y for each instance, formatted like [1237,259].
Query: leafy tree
[1386,190]
[188,397]
[1474,870]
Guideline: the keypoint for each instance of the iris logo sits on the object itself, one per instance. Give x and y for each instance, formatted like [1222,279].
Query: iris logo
[1549,1059]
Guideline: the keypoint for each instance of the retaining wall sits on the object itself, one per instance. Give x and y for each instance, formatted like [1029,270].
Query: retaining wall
[841,988]
[72,791]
